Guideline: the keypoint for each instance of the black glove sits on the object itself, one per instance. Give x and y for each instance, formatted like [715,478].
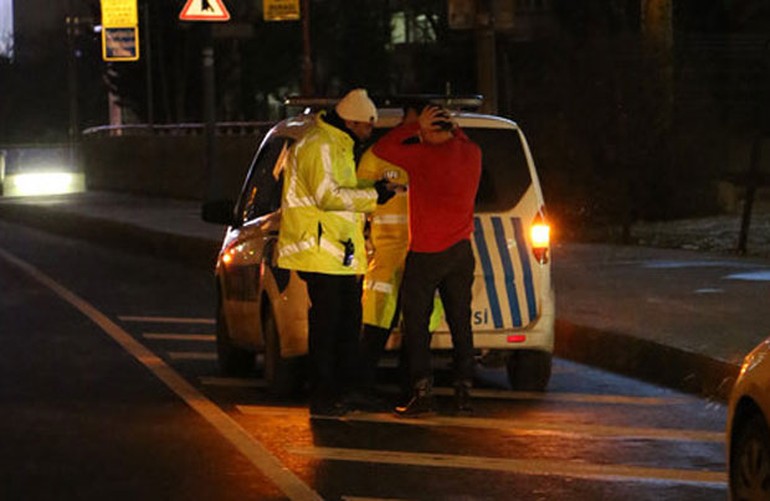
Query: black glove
[383,192]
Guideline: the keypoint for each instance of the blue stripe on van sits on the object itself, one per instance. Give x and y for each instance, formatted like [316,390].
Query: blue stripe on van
[529,287]
[489,275]
[510,278]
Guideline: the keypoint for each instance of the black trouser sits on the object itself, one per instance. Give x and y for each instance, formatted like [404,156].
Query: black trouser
[334,323]
[451,273]
[373,341]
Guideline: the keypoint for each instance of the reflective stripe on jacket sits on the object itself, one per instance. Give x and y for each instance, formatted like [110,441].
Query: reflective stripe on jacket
[323,207]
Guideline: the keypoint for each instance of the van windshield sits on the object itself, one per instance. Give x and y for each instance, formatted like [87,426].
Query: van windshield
[505,175]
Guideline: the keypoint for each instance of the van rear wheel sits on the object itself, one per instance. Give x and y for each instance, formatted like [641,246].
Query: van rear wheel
[529,370]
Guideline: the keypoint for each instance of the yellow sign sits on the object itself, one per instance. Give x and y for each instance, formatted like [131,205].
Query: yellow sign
[120,44]
[119,14]
[281,10]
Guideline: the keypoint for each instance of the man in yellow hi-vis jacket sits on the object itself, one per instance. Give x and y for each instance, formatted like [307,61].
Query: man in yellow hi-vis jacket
[321,237]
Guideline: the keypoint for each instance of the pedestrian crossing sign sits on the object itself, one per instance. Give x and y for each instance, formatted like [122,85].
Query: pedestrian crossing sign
[204,10]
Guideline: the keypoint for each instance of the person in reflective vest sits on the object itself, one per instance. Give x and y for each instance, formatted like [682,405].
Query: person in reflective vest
[321,237]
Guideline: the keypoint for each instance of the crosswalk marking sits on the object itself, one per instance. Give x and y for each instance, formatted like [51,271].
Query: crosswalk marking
[503,394]
[233,382]
[528,466]
[516,426]
[168,320]
[179,337]
[291,485]
[191,355]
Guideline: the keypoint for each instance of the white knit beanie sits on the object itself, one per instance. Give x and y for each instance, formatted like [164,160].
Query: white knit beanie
[357,107]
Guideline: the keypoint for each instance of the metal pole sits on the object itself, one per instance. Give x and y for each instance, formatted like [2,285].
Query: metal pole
[72,78]
[486,56]
[148,65]
[751,190]
[307,59]
[213,181]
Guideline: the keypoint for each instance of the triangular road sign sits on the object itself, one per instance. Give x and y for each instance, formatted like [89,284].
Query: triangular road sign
[204,10]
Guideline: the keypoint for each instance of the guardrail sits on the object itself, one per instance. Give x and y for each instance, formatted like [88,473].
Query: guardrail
[183,129]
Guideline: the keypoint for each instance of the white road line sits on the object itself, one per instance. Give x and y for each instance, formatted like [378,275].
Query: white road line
[233,382]
[546,396]
[179,337]
[168,320]
[529,466]
[252,449]
[517,426]
[191,355]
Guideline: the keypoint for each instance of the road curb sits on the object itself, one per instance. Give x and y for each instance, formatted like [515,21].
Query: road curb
[646,360]
[195,251]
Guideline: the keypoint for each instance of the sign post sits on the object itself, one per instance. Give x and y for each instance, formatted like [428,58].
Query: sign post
[208,10]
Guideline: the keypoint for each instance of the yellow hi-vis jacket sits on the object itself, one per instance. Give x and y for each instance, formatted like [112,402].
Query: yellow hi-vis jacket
[388,238]
[322,207]
[389,241]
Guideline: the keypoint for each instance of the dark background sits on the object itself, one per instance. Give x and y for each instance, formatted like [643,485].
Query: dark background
[635,109]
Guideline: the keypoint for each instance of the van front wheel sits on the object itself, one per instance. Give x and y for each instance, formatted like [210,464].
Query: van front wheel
[233,360]
[528,370]
[282,375]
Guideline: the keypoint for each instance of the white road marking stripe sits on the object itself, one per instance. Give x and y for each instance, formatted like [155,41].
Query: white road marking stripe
[252,449]
[519,426]
[490,393]
[233,382]
[179,337]
[529,466]
[191,355]
[168,320]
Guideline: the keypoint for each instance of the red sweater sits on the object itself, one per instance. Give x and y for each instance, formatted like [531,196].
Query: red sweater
[443,180]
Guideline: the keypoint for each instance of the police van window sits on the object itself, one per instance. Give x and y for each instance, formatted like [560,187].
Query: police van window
[262,192]
[505,173]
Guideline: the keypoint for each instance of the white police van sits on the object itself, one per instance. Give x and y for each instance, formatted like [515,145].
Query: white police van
[262,309]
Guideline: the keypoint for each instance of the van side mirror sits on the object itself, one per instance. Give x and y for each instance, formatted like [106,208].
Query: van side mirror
[219,212]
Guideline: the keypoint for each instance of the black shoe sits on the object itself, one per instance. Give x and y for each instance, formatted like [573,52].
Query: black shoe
[365,401]
[328,409]
[419,405]
[462,399]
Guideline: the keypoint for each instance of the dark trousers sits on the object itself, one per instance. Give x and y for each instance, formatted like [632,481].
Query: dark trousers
[451,273]
[334,323]
[373,341]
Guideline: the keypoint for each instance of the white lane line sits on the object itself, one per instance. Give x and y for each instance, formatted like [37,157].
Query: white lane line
[233,382]
[520,427]
[191,355]
[546,396]
[179,337]
[252,449]
[529,466]
[168,320]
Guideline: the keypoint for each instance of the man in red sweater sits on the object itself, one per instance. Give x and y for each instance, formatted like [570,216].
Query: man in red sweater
[444,169]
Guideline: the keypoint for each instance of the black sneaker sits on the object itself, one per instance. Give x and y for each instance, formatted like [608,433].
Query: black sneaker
[419,405]
[462,400]
[328,409]
[365,401]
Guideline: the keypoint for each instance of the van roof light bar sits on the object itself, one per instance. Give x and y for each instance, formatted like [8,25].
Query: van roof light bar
[471,102]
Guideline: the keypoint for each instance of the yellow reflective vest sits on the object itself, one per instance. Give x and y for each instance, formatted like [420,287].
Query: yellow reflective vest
[323,207]
[389,238]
